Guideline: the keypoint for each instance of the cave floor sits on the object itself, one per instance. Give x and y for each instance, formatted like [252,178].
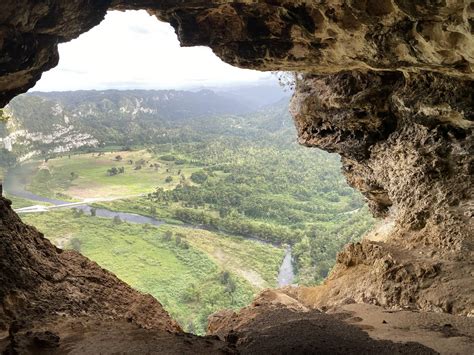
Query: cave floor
[273,329]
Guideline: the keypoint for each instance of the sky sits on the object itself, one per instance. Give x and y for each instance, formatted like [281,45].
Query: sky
[133,50]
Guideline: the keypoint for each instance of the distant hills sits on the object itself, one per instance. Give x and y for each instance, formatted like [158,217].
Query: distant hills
[42,123]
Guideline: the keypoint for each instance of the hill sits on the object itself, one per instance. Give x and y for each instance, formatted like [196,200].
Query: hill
[56,122]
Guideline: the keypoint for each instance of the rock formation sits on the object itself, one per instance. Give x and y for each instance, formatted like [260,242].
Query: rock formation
[39,280]
[387,84]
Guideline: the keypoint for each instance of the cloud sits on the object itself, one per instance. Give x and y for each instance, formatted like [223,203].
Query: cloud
[139,30]
[72,71]
[134,50]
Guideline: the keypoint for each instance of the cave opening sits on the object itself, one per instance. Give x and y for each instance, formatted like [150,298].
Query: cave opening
[388,87]
[180,176]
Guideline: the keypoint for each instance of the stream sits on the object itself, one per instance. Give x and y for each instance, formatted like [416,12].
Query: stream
[17,178]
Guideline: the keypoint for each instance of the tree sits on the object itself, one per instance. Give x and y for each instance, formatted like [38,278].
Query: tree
[112,172]
[93,212]
[199,177]
[168,236]
[77,213]
[169,179]
[224,277]
[168,158]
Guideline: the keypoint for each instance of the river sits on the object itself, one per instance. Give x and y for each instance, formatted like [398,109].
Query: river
[17,178]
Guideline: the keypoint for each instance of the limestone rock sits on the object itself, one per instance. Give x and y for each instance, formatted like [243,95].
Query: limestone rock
[388,84]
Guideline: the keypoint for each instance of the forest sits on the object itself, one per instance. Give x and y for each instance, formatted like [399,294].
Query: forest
[233,187]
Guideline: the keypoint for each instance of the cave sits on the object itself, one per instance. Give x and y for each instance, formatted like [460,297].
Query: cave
[387,85]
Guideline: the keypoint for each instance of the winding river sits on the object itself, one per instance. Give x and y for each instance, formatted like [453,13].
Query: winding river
[17,178]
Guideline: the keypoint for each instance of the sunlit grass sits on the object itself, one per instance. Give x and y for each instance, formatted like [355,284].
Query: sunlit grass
[183,276]
[84,176]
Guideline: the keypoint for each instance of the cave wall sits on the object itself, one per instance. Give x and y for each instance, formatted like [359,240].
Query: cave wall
[387,84]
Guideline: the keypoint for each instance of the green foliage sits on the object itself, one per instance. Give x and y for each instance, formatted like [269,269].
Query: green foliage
[199,177]
[274,191]
[115,171]
[168,235]
[187,280]
[7,159]
[77,213]
[241,175]
[3,116]
[167,158]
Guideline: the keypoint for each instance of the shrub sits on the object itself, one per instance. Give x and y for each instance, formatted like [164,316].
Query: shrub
[168,158]
[199,177]
[168,236]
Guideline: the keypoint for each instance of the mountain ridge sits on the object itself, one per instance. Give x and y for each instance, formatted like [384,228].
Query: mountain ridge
[43,123]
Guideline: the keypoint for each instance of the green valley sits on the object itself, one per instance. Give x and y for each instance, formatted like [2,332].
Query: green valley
[230,190]
[193,273]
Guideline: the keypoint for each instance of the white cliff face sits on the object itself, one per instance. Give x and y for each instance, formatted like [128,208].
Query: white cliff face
[136,107]
[62,137]
[7,143]
[57,110]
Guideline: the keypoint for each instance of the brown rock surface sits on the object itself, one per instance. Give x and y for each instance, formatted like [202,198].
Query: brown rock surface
[84,335]
[276,323]
[406,144]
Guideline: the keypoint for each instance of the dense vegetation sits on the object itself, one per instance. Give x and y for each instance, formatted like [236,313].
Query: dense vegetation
[277,192]
[240,174]
[170,156]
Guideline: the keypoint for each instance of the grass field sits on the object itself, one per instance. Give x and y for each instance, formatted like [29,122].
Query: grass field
[256,262]
[85,176]
[181,267]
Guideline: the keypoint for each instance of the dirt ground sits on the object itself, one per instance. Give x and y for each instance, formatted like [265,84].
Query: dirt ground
[279,324]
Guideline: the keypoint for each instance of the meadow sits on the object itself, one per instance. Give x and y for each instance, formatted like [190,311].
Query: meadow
[87,176]
[276,192]
[235,190]
[193,273]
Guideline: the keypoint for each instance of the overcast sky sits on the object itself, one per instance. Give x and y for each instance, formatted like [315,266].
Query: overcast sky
[134,50]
